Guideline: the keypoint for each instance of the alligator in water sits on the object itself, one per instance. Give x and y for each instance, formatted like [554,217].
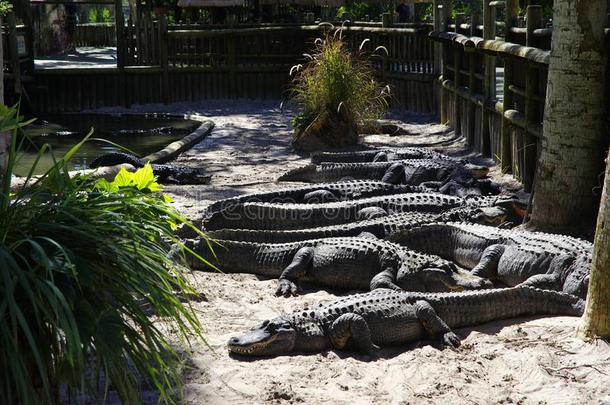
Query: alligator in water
[388,317]
[381,227]
[320,193]
[169,174]
[297,216]
[377,155]
[511,257]
[349,263]
[449,176]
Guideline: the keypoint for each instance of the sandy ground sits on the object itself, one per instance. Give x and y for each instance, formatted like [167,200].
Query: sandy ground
[522,361]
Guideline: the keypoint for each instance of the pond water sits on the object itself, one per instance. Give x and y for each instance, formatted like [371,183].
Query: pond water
[142,134]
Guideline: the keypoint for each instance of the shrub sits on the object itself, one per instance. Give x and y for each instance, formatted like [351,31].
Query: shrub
[83,264]
[337,92]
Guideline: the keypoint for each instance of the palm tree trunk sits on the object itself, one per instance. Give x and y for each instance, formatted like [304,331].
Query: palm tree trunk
[4,137]
[571,155]
[596,319]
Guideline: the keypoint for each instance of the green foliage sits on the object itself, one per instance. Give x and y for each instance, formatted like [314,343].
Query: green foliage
[106,15]
[424,12]
[5,7]
[360,9]
[336,81]
[468,7]
[92,15]
[83,265]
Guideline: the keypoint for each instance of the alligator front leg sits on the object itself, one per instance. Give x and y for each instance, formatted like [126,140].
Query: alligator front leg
[295,270]
[385,279]
[434,325]
[544,281]
[351,327]
[395,174]
[488,265]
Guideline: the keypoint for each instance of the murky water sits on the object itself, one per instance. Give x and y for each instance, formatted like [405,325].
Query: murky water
[139,133]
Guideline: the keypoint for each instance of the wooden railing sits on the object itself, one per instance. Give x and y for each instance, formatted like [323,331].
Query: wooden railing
[161,63]
[492,90]
[95,34]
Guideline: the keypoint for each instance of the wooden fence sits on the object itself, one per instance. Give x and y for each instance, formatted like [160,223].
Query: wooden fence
[492,90]
[162,64]
[95,34]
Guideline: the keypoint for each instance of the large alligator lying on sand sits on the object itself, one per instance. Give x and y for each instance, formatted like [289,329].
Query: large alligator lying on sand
[320,193]
[382,227]
[511,257]
[448,176]
[344,263]
[387,317]
[297,216]
[414,172]
[166,173]
[377,155]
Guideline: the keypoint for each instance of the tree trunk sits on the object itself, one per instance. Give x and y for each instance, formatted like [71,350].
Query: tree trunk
[596,319]
[571,155]
[1,67]
[4,137]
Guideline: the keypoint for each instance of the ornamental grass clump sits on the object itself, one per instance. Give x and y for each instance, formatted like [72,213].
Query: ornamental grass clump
[337,93]
[83,265]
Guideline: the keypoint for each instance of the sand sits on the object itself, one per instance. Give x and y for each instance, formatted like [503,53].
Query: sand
[520,361]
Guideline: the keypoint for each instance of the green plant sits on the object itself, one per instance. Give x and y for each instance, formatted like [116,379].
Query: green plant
[92,15]
[5,7]
[106,15]
[83,264]
[360,9]
[338,83]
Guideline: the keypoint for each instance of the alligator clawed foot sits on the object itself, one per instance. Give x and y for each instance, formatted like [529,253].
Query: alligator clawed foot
[286,289]
[451,340]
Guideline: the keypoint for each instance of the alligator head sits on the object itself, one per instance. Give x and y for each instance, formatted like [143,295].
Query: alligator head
[439,276]
[273,337]
[281,335]
[305,173]
[492,216]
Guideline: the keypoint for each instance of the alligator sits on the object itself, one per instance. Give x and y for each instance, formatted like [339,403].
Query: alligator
[377,155]
[383,317]
[320,193]
[166,173]
[381,227]
[414,171]
[448,176]
[511,257]
[298,216]
[349,263]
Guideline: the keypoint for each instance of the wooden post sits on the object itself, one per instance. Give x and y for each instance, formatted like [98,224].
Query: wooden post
[164,59]
[475,20]
[387,20]
[510,18]
[489,82]
[534,21]
[457,79]
[120,33]
[505,150]
[231,63]
[472,107]
[437,85]
[13,51]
